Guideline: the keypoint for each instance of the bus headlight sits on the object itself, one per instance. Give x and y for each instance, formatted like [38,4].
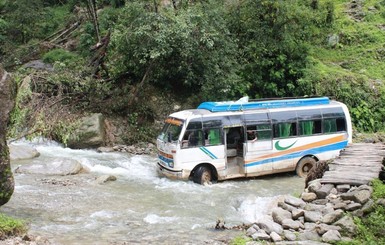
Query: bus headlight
[171,164]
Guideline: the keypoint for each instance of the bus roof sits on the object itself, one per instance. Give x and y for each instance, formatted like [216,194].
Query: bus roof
[244,104]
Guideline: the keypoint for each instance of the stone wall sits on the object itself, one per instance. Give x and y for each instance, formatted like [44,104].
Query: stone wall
[8,92]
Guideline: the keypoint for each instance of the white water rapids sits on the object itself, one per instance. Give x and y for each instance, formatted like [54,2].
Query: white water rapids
[139,207]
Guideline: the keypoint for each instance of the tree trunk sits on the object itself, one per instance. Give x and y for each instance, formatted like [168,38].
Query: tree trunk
[7,102]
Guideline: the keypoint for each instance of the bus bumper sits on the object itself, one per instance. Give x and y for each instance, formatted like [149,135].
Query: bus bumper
[173,174]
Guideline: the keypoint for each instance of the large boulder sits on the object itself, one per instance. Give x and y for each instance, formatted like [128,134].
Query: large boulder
[89,134]
[58,166]
[22,152]
[8,91]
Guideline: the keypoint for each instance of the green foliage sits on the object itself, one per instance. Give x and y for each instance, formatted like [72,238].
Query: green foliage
[240,240]
[11,226]
[378,189]
[60,55]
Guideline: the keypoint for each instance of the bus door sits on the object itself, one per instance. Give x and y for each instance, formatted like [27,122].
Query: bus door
[234,138]
[258,143]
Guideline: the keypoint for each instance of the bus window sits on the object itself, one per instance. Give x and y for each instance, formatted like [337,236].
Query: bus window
[213,136]
[309,127]
[258,132]
[330,125]
[192,138]
[284,130]
[341,124]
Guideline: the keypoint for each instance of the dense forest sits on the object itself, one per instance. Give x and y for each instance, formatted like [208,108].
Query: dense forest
[136,59]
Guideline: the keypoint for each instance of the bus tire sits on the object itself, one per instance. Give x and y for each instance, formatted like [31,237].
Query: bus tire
[202,176]
[304,166]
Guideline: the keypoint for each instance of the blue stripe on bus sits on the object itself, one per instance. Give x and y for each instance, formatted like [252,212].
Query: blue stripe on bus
[207,152]
[165,159]
[332,147]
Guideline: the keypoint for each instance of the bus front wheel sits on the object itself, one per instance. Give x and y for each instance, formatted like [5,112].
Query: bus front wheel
[202,176]
[304,166]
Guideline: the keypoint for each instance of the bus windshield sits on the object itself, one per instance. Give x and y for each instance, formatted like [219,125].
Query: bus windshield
[171,130]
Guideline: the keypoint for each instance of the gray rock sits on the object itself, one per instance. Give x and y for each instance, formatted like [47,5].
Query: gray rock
[309,236]
[360,196]
[22,152]
[294,201]
[59,166]
[313,216]
[279,214]
[324,191]
[105,149]
[353,206]
[381,202]
[313,207]
[296,213]
[310,226]
[252,229]
[314,185]
[323,228]
[343,188]
[90,133]
[340,205]
[290,236]
[333,216]
[333,40]
[260,235]
[275,237]
[286,206]
[320,201]
[269,226]
[291,224]
[331,236]
[347,224]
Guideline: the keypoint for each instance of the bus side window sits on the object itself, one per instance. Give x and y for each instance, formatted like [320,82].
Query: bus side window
[192,138]
[330,125]
[310,127]
[284,130]
[213,136]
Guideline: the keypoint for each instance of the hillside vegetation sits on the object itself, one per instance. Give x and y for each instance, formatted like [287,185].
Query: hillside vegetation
[137,59]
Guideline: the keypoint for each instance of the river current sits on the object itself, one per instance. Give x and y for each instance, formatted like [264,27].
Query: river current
[139,207]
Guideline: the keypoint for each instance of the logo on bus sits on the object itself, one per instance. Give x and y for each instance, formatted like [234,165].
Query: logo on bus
[282,148]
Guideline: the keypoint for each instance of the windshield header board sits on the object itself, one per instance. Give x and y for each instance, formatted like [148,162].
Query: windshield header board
[174,121]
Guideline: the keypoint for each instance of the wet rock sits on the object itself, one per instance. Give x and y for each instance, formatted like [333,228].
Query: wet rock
[104,179]
[269,226]
[105,149]
[60,166]
[22,152]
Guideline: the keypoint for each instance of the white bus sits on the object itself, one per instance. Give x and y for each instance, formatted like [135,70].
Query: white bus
[234,139]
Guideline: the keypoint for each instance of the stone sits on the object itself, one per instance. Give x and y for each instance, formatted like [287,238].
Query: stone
[381,202]
[308,196]
[275,237]
[313,216]
[347,224]
[343,188]
[323,228]
[58,166]
[340,205]
[332,217]
[291,224]
[286,206]
[368,207]
[324,191]
[353,206]
[294,201]
[22,152]
[252,229]
[269,226]
[279,214]
[309,236]
[297,213]
[89,134]
[313,207]
[105,149]
[360,196]
[310,226]
[290,236]
[260,235]
[331,236]
[320,201]
[314,185]
[8,91]
[104,179]
[333,40]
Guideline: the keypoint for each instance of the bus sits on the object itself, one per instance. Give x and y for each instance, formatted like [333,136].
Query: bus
[249,138]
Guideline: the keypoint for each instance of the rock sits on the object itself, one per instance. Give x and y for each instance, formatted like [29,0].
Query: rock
[294,201]
[347,224]
[310,226]
[8,91]
[323,228]
[252,229]
[280,214]
[314,185]
[105,149]
[381,202]
[104,178]
[309,196]
[290,236]
[269,226]
[331,236]
[260,235]
[313,216]
[59,166]
[333,40]
[309,236]
[324,191]
[22,152]
[313,207]
[297,213]
[291,224]
[360,196]
[343,188]
[89,134]
[340,205]
[353,206]
[333,216]
[286,206]
[368,207]
[320,201]
[275,237]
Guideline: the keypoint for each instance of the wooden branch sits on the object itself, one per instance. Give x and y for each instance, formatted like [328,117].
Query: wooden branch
[26,134]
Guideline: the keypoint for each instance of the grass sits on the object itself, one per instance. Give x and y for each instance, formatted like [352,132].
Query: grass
[11,227]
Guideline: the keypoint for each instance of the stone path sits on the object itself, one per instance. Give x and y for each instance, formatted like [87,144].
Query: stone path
[357,165]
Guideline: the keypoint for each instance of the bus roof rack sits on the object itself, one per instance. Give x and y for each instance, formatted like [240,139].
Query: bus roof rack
[244,103]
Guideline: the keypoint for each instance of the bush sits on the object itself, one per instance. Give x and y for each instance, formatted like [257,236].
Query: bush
[11,226]
[60,55]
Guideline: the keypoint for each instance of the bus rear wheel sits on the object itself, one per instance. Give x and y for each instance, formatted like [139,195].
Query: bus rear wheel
[304,166]
[202,176]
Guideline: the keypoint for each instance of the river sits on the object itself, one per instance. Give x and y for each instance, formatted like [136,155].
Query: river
[139,207]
